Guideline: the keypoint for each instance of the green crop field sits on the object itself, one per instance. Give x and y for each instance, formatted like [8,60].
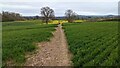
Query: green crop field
[93,44]
[21,37]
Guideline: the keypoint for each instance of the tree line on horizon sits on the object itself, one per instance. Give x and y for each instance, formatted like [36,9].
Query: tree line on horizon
[11,16]
[47,14]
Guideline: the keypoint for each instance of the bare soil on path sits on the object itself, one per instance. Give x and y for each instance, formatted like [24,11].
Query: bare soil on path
[52,53]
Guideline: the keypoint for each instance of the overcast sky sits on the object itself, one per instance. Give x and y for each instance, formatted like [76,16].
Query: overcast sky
[81,7]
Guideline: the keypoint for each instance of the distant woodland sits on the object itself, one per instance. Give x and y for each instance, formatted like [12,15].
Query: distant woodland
[11,16]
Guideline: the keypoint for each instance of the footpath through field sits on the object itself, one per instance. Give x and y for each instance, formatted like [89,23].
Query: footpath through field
[53,53]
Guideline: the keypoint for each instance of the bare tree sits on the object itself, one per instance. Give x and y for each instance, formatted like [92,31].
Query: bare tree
[70,15]
[47,14]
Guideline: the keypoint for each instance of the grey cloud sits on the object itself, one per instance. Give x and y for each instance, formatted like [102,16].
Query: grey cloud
[82,8]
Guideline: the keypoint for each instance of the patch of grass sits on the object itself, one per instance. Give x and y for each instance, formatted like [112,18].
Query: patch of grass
[93,44]
[20,37]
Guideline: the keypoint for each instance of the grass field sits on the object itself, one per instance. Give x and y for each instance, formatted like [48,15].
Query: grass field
[21,37]
[93,44]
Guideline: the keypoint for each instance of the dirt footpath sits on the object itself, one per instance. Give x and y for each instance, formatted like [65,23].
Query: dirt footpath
[53,53]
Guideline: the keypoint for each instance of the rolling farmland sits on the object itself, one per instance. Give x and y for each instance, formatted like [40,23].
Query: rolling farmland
[73,34]
[93,44]
[21,37]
